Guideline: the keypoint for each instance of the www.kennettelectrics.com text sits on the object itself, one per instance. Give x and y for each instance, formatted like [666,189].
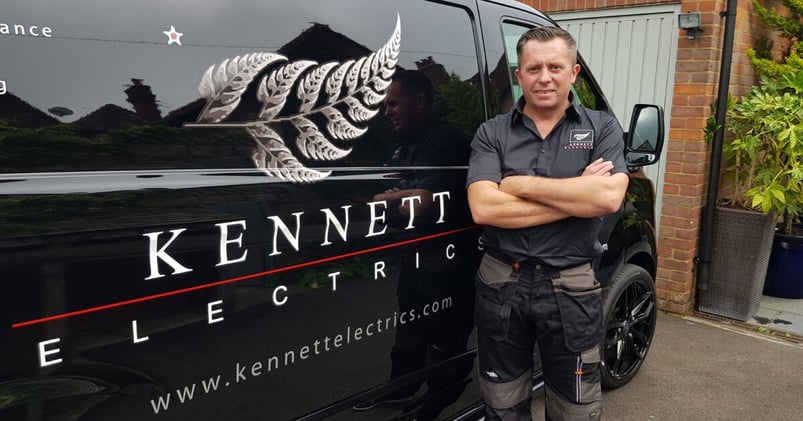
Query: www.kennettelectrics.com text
[242,372]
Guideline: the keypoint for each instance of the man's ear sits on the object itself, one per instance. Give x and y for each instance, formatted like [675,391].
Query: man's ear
[576,69]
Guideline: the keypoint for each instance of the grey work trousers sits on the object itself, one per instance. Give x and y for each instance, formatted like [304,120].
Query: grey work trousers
[519,304]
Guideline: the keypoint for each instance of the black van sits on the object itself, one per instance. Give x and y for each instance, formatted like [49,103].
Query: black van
[191,213]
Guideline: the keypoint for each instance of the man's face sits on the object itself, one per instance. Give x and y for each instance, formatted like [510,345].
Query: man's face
[404,112]
[546,73]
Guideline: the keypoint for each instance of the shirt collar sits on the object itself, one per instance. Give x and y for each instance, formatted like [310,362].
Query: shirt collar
[518,110]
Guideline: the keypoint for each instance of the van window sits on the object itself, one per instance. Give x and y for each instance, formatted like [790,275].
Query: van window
[584,92]
[126,86]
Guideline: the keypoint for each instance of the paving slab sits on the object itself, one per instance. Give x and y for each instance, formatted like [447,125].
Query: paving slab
[780,314]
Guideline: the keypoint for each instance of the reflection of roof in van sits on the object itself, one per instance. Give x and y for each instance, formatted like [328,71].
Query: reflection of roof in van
[108,117]
[319,42]
[22,114]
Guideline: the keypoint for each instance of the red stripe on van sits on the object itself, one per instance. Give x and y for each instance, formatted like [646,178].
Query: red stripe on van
[233,280]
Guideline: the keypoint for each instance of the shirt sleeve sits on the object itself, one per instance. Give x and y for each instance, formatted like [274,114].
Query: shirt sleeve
[484,163]
[611,144]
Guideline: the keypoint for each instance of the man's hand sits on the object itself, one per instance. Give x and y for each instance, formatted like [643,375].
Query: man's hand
[599,167]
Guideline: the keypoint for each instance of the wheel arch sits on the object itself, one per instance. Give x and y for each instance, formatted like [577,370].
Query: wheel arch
[642,255]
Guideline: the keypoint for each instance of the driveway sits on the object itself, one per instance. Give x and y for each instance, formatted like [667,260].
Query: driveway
[703,370]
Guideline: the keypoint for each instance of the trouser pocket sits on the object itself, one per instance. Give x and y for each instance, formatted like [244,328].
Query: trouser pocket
[578,295]
[496,282]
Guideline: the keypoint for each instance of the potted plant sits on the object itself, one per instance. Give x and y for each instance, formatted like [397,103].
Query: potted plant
[764,168]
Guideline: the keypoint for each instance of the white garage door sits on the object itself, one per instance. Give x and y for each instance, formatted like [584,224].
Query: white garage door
[632,52]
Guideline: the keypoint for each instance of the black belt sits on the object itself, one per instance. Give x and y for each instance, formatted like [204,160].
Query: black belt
[527,262]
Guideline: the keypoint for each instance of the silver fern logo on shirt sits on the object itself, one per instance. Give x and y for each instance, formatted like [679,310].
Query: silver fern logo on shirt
[580,139]
[353,91]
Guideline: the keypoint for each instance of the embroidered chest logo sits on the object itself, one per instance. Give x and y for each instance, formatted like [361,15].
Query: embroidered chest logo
[350,95]
[580,139]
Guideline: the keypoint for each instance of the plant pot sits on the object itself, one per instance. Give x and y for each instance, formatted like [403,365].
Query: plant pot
[741,253]
[785,270]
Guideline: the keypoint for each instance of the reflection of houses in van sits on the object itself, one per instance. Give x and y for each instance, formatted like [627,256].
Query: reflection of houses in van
[435,72]
[499,77]
[108,117]
[145,138]
[318,42]
[143,100]
[19,113]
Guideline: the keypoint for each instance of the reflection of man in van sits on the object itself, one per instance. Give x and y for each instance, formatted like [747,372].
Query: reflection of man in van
[426,141]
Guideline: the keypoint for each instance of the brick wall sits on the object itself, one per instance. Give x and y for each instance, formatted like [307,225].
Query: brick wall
[687,161]
[548,6]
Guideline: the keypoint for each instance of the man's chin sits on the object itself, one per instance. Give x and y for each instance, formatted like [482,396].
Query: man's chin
[542,104]
[548,99]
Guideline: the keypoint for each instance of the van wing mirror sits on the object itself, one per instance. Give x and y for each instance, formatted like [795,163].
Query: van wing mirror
[645,138]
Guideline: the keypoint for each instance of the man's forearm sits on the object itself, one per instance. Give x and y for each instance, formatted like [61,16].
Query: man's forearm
[491,206]
[585,197]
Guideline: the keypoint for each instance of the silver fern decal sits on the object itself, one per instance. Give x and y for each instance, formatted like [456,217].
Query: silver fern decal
[343,95]
[312,143]
[273,89]
[274,159]
[223,86]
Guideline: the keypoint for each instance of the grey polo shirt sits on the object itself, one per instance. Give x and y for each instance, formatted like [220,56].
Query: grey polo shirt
[509,144]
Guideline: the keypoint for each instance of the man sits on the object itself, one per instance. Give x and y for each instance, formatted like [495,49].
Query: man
[540,178]
[426,277]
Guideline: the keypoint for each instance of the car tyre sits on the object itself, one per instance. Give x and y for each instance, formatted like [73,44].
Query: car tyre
[630,315]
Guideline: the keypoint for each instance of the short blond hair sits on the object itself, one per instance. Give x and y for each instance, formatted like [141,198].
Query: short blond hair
[544,34]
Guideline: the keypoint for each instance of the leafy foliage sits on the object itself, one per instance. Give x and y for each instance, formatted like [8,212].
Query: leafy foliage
[790,28]
[765,158]
[460,102]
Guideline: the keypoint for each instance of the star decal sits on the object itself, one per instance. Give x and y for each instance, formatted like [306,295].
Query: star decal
[173,36]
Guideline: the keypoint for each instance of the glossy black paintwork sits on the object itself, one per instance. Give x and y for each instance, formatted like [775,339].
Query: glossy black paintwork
[80,193]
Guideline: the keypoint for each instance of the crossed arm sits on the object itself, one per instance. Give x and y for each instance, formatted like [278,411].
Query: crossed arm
[526,201]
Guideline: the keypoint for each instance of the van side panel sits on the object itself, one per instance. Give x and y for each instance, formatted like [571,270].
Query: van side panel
[190,219]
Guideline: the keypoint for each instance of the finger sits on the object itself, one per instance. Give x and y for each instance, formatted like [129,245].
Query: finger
[605,166]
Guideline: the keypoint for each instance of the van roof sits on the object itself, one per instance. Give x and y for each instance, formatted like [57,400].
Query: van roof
[518,5]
